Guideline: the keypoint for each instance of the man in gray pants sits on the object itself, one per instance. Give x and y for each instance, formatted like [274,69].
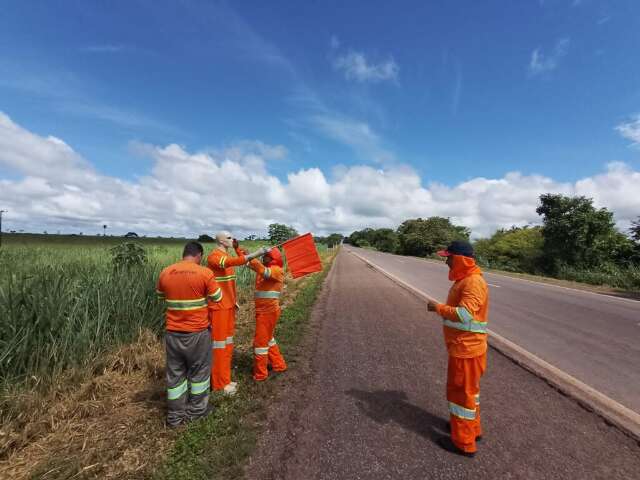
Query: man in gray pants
[187,289]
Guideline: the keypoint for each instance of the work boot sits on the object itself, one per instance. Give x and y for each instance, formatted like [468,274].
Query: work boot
[478,438]
[230,389]
[447,444]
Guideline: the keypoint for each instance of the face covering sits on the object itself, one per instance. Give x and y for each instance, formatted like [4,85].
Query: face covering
[462,267]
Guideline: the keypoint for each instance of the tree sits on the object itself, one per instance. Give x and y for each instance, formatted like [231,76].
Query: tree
[128,235]
[424,237]
[205,238]
[517,249]
[333,239]
[577,234]
[385,240]
[635,230]
[279,232]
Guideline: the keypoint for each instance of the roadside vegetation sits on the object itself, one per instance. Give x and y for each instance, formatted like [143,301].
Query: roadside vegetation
[81,358]
[576,242]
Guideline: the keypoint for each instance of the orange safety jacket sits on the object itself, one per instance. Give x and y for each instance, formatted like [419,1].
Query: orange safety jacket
[465,313]
[269,281]
[187,289]
[221,263]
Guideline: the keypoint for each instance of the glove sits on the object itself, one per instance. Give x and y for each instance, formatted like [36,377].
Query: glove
[259,252]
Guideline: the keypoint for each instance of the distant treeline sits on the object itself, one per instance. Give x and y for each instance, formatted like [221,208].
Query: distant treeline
[576,241]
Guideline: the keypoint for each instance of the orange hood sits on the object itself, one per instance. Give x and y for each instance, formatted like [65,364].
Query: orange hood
[462,267]
[276,257]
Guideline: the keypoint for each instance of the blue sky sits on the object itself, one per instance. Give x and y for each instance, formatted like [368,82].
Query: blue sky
[442,93]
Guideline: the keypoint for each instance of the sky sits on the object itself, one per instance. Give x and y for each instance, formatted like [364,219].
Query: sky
[186,117]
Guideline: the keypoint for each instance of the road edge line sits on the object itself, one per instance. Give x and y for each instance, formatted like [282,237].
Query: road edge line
[614,413]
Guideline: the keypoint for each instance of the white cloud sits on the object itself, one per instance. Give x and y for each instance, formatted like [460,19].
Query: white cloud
[355,134]
[631,130]
[356,67]
[542,63]
[191,193]
[334,42]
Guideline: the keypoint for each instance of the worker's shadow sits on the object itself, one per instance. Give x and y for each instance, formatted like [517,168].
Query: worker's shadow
[385,406]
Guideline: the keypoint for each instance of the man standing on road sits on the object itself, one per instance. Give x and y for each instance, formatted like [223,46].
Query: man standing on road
[269,281]
[224,313]
[187,288]
[465,334]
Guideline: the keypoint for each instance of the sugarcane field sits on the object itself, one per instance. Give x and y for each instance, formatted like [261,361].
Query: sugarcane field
[284,240]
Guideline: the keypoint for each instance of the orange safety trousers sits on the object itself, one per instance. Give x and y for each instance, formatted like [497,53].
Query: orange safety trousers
[265,347]
[224,326]
[463,395]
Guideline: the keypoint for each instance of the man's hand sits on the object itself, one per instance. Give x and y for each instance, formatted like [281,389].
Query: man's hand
[235,244]
[431,306]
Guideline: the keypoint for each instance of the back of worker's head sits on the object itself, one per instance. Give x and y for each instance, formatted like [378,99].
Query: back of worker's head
[193,250]
[224,239]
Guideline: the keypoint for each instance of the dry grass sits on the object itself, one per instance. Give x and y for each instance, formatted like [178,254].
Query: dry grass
[111,425]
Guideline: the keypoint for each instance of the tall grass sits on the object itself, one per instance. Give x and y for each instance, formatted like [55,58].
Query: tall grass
[62,305]
[626,278]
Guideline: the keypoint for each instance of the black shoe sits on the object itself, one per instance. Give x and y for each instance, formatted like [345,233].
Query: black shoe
[478,438]
[448,445]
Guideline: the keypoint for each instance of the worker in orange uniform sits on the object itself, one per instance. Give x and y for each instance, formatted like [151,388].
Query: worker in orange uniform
[224,313]
[187,289]
[269,282]
[465,334]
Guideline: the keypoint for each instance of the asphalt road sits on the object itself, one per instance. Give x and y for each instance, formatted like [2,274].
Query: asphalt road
[592,337]
[369,403]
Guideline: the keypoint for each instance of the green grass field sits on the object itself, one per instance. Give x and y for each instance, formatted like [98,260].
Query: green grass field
[62,302]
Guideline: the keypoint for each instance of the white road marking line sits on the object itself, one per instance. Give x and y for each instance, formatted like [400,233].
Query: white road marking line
[492,285]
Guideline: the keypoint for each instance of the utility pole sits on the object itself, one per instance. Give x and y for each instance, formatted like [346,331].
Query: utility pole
[1,212]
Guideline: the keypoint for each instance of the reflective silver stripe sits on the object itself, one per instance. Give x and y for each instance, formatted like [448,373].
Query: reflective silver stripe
[176,392]
[478,399]
[200,387]
[467,322]
[267,273]
[272,342]
[229,341]
[267,294]
[464,315]
[194,304]
[216,296]
[261,350]
[461,412]
[218,344]
[475,327]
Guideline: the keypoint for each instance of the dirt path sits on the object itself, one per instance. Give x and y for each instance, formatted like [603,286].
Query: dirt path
[369,404]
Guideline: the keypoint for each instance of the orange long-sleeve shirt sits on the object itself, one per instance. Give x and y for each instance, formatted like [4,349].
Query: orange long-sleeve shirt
[187,289]
[222,264]
[269,282]
[465,313]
